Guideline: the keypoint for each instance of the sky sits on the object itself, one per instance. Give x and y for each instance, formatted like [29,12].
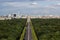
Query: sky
[30,7]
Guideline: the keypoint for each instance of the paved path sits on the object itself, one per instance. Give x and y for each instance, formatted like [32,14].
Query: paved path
[28,35]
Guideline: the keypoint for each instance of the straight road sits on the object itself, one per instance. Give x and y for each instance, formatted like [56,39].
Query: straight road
[28,35]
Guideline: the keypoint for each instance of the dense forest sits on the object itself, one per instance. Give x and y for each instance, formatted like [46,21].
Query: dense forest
[47,29]
[11,29]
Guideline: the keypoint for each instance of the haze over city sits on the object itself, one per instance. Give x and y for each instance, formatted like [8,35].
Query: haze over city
[30,7]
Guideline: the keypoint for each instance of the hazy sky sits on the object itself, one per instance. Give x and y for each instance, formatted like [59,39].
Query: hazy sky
[30,7]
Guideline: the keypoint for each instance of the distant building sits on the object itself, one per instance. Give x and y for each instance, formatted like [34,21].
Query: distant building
[15,16]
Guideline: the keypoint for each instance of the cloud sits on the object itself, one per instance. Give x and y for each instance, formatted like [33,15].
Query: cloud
[49,0]
[26,7]
[21,4]
[57,5]
[53,6]
[14,4]
[31,4]
[24,0]
[34,3]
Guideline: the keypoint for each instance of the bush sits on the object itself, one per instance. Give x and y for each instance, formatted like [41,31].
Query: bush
[47,29]
[11,29]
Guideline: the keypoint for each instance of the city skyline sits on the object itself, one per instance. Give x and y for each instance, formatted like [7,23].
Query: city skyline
[30,7]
